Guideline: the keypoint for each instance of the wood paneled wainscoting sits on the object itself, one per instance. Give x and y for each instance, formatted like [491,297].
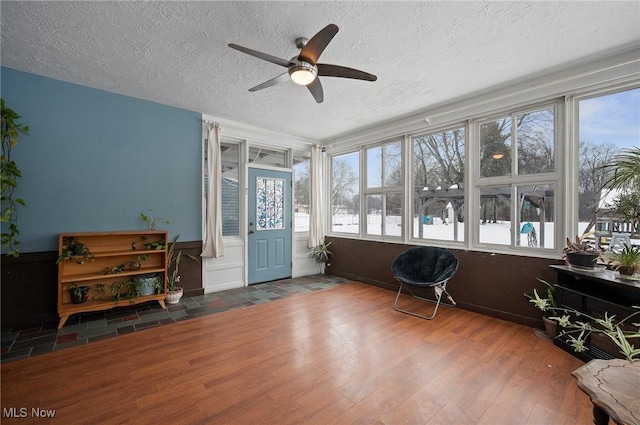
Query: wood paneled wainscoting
[487,283]
[336,356]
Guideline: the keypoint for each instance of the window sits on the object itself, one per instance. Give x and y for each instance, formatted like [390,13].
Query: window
[534,132]
[495,215]
[535,135]
[495,148]
[533,225]
[383,192]
[513,168]
[438,185]
[607,124]
[518,179]
[266,156]
[302,193]
[230,192]
[345,196]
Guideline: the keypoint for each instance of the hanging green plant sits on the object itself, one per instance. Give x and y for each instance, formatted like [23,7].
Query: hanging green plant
[72,248]
[10,129]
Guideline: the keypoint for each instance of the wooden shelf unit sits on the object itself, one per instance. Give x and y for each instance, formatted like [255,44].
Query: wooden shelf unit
[117,257]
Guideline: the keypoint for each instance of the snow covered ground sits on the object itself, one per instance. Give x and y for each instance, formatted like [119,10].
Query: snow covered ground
[491,233]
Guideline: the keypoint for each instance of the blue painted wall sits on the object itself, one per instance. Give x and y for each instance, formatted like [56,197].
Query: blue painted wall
[94,160]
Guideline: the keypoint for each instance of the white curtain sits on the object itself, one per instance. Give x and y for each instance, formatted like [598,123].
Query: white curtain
[213,245]
[316,219]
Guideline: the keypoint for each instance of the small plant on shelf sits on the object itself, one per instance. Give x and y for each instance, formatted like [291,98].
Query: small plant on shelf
[73,248]
[129,289]
[120,268]
[154,245]
[151,221]
[150,283]
[79,294]
[626,260]
[581,253]
[135,265]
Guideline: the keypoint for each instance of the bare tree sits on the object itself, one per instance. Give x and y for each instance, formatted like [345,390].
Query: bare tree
[592,176]
[302,185]
[343,182]
[495,148]
[536,137]
[438,161]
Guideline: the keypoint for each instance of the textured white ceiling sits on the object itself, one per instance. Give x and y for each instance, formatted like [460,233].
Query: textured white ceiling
[424,53]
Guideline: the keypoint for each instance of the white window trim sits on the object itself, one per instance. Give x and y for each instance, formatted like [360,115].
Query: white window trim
[409,194]
[381,190]
[585,85]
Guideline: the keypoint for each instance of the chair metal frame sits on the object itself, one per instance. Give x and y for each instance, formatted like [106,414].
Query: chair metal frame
[439,287]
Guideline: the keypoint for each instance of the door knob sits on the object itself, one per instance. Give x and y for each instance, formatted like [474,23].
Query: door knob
[251,232]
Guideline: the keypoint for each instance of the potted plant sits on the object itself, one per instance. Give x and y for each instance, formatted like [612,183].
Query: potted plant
[626,260]
[73,248]
[152,220]
[79,294]
[581,253]
[175,292]
[149,284]
[321,254]
[125,289]
[547,306]
[577,326]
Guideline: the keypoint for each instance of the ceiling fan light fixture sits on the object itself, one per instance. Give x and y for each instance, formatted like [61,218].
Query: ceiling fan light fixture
[303,73]
[304,69]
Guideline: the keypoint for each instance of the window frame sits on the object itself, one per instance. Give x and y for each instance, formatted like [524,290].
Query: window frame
[513,180]
[306,160]
[381,190]
[329,192]
[573,151]
[465,181]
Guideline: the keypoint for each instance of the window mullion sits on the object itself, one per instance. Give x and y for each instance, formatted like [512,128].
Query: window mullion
[514,144]
[408,192]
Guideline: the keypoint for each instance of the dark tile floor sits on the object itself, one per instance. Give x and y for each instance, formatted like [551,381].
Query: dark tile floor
[88,327]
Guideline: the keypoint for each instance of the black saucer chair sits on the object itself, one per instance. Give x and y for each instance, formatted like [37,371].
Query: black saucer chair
[424,267]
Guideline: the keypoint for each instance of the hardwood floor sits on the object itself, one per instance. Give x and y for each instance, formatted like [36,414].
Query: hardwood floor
[337,356]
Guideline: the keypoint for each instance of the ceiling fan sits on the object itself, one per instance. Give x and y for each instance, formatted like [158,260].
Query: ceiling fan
[304,69]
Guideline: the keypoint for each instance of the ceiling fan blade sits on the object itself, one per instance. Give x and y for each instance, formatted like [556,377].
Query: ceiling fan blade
[272,82]
[316,90]
[314,47]
[327,70]
[264,56]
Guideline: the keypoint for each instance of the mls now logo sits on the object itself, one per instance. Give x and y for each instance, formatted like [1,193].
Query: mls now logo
[23,412]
